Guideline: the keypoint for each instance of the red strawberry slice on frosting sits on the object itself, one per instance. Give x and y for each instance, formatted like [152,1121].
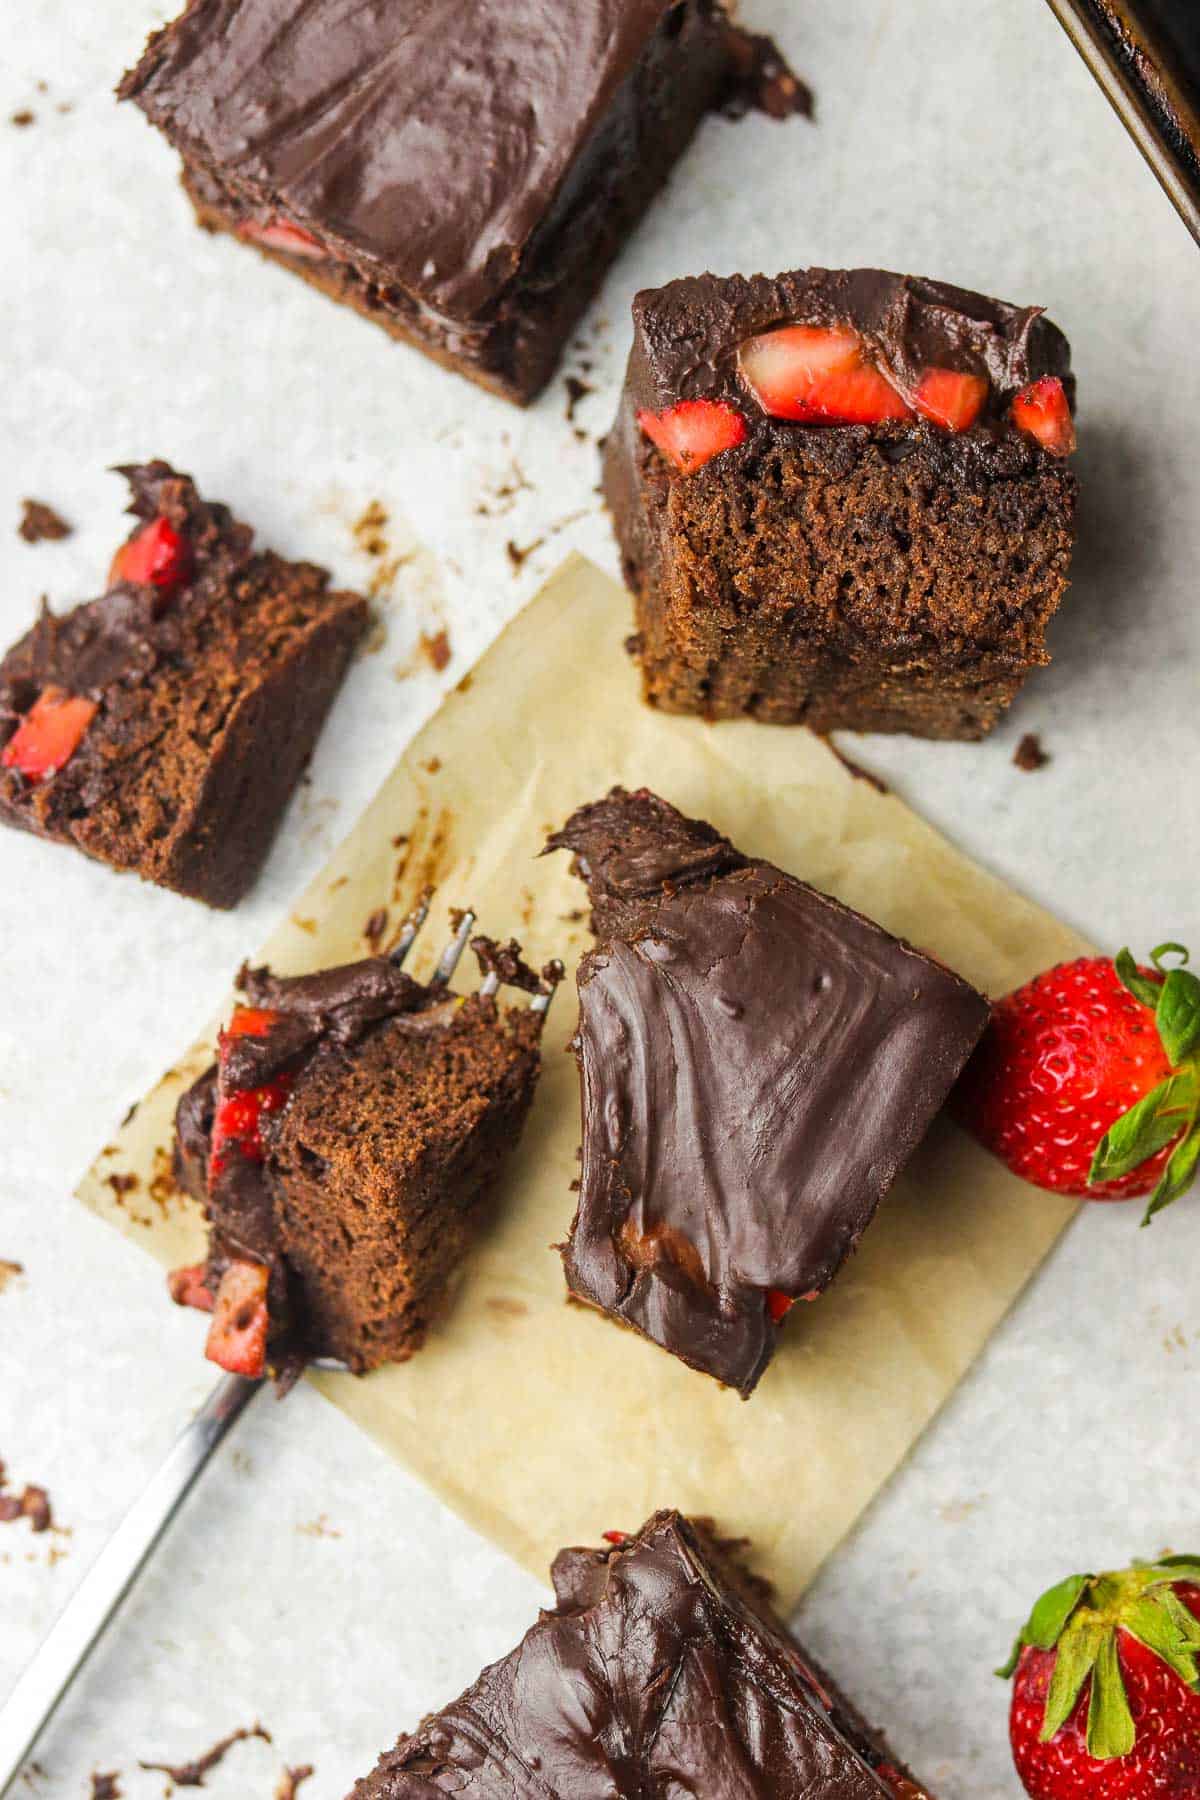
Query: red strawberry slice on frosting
[189,1287]
[240,1113]
[693,431]
[283,234]
[779,1304]
[156,556]
[237,1337]
[49,734]
[951,398]
[818,374]
[1043,410]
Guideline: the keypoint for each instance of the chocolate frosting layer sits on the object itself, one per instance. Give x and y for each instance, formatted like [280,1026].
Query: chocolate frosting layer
[127,633]
[687,334]
[655,1674]
[758,1062]
[334,1006]
[436,138]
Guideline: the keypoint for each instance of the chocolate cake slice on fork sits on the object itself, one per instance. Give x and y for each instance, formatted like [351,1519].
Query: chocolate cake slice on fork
[344,1145]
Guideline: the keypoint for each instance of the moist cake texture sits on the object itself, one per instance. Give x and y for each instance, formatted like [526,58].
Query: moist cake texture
[659,1670]
[757,1064]
[163,727]
[460,171]
[878,547]
[343,1147]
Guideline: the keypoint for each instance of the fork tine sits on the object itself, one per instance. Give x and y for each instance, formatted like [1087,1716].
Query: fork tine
[411,926]
[552,975]
[448,960]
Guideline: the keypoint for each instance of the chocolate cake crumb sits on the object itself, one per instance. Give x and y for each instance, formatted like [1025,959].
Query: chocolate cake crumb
[369,529]
[191,1774]
[762,80]
[577,390]
[518,556]
[1029,754]
[40,523]
[375,927]
[290,1780]
[437,648]
[24,117]
[106,1787]
[32,1503]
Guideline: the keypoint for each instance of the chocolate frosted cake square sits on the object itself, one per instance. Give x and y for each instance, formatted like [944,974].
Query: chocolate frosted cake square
[661,1669]
[163,727]
[757,1064]
[343,1147]
[842,498]
[462,171]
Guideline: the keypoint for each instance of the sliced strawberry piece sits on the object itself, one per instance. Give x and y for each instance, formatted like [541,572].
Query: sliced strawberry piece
[779,1304]
[237,1337]
[251,1021]
[49,734]
[157,555]
[1044,411]
[189,1287]
[854,397]
[818,375]
[951,399]
[239,1120]
[615,1537]
[283,234]
[693,431]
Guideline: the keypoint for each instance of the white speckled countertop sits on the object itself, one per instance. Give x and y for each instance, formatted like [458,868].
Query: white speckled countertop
[311,1584]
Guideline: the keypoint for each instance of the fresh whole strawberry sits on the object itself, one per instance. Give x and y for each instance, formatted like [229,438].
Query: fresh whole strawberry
[1106,1696]
[1087,1080]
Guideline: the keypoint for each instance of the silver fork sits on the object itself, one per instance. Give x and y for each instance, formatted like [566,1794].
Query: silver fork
[79,1627]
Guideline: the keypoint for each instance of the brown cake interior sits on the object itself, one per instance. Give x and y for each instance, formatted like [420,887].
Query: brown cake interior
[843,579]
[378,1166]
[209,701]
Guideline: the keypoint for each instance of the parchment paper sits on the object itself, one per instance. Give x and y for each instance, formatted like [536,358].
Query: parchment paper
[541,1422]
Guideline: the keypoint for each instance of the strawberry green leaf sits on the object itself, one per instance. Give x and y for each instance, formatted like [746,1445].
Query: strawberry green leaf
[1179,950]
[1048,1619]
[1143,987]
[1178,1175]
[1145,1129]
[1184,1567]
[1155,1623]
[1111,1731]
[1187,1627]
[1078,1653]
[1178,1015]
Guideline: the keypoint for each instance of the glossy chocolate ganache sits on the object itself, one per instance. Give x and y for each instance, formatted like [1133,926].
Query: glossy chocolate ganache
[660,1670]
[757,1064]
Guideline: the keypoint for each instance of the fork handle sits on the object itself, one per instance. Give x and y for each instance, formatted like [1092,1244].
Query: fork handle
[79,1626]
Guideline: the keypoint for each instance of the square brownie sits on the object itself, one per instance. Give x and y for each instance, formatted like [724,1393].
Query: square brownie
[842,498]
[343,1146]
[757,1065]
[462,171]
[661,1669]
[163,727]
